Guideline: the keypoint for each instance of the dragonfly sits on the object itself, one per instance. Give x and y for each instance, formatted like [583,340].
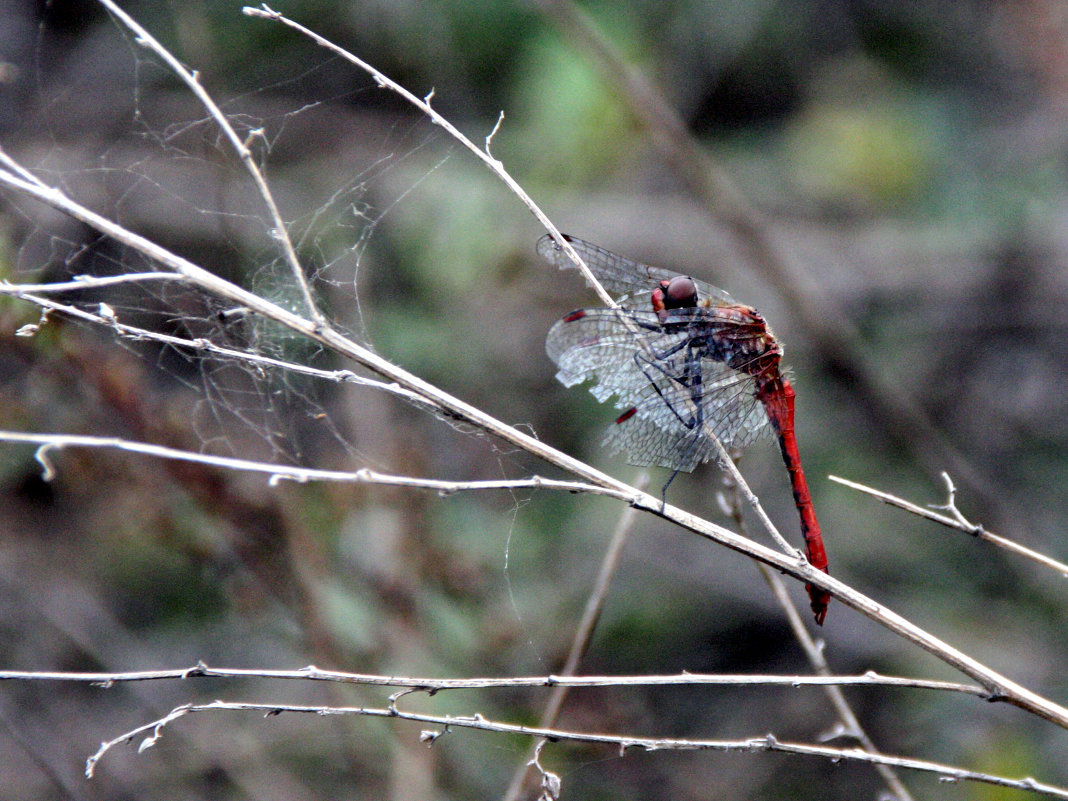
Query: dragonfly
[684,361]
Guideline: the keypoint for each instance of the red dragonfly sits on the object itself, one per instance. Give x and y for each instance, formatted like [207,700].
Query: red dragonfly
[682,359]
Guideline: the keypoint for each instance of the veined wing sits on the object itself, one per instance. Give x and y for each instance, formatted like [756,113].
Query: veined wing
[664,379]
[620,275]
[600,344]
[668,423]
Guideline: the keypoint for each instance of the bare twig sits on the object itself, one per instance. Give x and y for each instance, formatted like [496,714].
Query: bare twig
[80,282]
[735,479]
[768,742]
[550,782]
[956,520]
[280,472]
[951,506]
[423,104]
[428,684]
[849,725]
[200,345]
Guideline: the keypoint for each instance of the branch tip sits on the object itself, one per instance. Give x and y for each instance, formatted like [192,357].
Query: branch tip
[430,736]
[489,138]
[48,471]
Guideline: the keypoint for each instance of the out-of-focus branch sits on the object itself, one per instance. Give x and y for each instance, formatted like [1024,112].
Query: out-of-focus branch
[580,640]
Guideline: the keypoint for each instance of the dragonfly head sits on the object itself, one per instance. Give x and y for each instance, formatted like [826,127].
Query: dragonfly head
[679,292]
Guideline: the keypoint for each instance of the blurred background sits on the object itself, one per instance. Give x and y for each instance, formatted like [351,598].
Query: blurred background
[886,182]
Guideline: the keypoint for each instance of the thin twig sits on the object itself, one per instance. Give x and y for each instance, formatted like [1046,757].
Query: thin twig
[766,742]
[423,104]
[736,479]
[80,282]
[199,345]
[280,472]
[429,684]
[951,506]
[957,521]
[580,641]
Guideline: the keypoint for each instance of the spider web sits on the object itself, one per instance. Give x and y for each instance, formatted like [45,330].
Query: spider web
[338,161]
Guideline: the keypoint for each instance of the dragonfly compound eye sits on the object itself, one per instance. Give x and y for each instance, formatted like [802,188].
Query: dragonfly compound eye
[680,292]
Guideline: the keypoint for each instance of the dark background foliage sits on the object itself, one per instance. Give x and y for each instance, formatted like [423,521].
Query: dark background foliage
[909,160]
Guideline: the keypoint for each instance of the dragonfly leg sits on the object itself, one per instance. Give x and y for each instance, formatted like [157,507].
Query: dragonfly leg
[680,412]
[690,380]
[664,489]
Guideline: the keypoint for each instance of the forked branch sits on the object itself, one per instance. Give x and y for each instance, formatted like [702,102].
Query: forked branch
[956,520]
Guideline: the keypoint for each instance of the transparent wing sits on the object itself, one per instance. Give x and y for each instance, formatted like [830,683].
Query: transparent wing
[670,422]
[600,345]
[620,275]
[665,380]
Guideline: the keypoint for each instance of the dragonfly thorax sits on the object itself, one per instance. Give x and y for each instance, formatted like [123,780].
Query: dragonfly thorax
[743,340]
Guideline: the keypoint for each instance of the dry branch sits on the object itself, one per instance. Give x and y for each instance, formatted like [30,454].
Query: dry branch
[445,723]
